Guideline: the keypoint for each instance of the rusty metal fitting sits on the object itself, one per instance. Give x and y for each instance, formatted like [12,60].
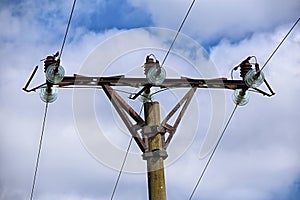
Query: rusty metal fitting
[157,153]
[153,130]
[49,61]
[148,64]
[245,67]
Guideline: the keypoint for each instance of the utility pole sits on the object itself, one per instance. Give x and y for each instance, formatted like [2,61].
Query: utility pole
[152,135]
[155,162]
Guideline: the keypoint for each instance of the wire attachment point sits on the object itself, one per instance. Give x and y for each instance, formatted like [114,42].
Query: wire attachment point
[254,78]
[155,74]
[55,74]
[48,94]
[240,97]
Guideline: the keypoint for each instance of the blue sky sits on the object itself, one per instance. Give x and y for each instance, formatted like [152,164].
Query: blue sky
[113,14]
[259,156]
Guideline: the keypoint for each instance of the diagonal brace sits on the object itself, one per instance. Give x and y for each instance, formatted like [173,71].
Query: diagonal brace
[184,103]
[122,108]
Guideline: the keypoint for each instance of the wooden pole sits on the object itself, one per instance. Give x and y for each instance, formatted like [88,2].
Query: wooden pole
[155,163]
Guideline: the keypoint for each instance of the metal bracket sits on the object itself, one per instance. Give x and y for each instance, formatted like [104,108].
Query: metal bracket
[269,87]
[153,130]
[29,81]
[146,87]
[157,153]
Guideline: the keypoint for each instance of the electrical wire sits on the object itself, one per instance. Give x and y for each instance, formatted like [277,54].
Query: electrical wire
[39,152]
[123,164]
[67,30]
[161,90]
[46,109]
[219,140]
[231,74]
[280,44]
[124,91]
[182,23]
[213,152]
[149,98]
[133,93]
[121,170]
[236,67]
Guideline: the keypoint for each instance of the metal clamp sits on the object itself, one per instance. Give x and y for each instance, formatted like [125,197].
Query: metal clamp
[157,153]
[153,130]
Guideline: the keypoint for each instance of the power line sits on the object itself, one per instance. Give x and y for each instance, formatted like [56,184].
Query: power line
[182,23]
[39,152]
[218,142]
[123,164]
[280,44]
[67,30]
[161,90]
[213,152]
[121,170]
[46,109]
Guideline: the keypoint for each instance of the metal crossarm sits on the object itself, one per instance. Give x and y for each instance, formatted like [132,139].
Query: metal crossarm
[182,82]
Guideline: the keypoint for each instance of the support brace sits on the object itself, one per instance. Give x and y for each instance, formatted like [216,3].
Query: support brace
[124,110]
[184,103]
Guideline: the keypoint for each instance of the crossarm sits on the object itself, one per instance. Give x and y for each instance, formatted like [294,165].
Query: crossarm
[84,81]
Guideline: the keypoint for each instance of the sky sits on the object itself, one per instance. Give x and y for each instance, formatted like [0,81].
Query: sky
[85,140]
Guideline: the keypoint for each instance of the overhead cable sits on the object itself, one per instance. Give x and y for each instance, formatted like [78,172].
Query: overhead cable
[39,152]
[213,152]
[182,23]
[280,43]
[123,164]
[121,170]
[67,30]
[46,110]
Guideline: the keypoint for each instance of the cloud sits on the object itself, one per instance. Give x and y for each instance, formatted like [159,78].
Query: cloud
[24,43]
[258,157]
[213,20]
[253,147]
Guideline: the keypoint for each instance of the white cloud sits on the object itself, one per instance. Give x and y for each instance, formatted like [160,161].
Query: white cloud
[215,19]
[257,158]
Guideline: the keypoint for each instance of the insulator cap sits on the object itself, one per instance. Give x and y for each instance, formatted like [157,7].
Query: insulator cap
[48,94]
[254,79]
[55,74]
[156,75]
[240,97]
